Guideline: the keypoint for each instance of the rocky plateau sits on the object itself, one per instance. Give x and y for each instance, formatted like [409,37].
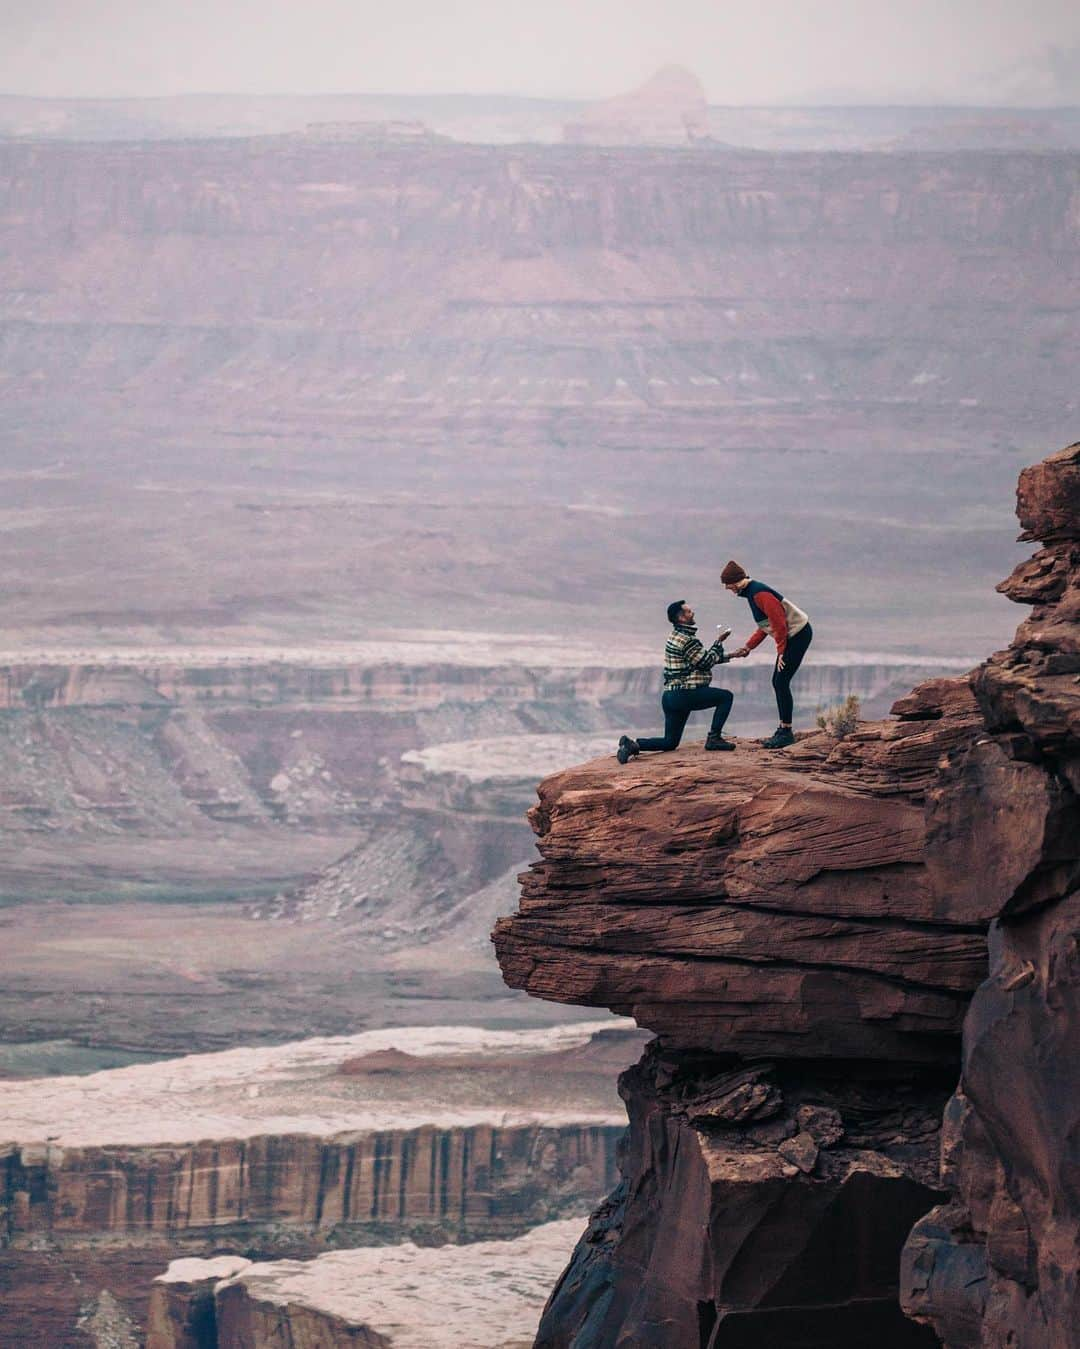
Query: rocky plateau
[823,942]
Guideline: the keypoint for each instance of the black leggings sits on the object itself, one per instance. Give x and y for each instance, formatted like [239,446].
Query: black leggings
[781,680]
[678,704]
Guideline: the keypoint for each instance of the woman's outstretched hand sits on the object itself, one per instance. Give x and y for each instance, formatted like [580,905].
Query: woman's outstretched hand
[742,651]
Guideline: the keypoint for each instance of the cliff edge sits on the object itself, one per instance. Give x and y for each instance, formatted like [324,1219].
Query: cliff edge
[807,934]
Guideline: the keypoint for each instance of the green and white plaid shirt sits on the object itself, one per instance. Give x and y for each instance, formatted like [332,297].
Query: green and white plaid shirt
[687,663]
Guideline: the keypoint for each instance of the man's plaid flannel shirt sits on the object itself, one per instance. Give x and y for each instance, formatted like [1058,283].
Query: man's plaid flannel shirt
[687,663]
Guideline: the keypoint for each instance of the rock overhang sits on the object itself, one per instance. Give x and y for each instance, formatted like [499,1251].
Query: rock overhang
[760,904]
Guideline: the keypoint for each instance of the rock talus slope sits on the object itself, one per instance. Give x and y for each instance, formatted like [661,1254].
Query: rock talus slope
[807,934]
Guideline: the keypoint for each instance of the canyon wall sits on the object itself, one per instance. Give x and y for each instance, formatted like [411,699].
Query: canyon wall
[385,685]
[807,934]
[434,1135]
[282,391]
[296,1192]
[777,921]
[157,750]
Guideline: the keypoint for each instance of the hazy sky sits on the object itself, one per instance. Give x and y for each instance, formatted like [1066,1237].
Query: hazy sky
[758,51]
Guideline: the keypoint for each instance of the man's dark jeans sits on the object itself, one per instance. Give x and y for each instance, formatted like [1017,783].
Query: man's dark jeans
[678,704]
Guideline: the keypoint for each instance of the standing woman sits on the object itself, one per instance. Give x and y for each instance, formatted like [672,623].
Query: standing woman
[791,631]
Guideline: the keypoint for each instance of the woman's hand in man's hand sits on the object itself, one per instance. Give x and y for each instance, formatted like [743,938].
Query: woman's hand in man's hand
[742,651]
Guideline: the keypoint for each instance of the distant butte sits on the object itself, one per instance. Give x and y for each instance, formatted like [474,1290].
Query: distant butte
[668,109]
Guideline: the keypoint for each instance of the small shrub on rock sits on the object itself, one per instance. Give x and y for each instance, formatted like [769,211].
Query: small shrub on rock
[841,720]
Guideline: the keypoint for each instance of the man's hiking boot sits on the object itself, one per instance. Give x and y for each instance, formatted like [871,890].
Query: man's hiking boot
[628,749]
[780,738]
[718,742]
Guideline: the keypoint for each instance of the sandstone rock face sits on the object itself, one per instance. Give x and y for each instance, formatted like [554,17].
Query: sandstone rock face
[997,1265]
[779,923]
[759,1206]
[303,1190]
[807,934]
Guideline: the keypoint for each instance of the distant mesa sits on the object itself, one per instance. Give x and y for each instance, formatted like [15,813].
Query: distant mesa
[382,1061]
[398,131]
[606,1051]
[989,130]
[668,109]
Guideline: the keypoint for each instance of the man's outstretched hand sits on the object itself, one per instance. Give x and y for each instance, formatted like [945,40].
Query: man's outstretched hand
[742,651]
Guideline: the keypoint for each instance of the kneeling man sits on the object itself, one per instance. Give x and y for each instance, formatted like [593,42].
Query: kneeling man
[687,675]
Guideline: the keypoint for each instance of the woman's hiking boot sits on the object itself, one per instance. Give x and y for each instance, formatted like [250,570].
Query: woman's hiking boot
[780,738]
[628,749]
[714,741]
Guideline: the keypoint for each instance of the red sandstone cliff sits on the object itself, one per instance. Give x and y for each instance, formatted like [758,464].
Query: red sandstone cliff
[805,934]
[998,1264]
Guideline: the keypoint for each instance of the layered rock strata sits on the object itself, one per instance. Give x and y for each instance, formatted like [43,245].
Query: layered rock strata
[292,1190]
[805,933]
[760,1204]
[538,296]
